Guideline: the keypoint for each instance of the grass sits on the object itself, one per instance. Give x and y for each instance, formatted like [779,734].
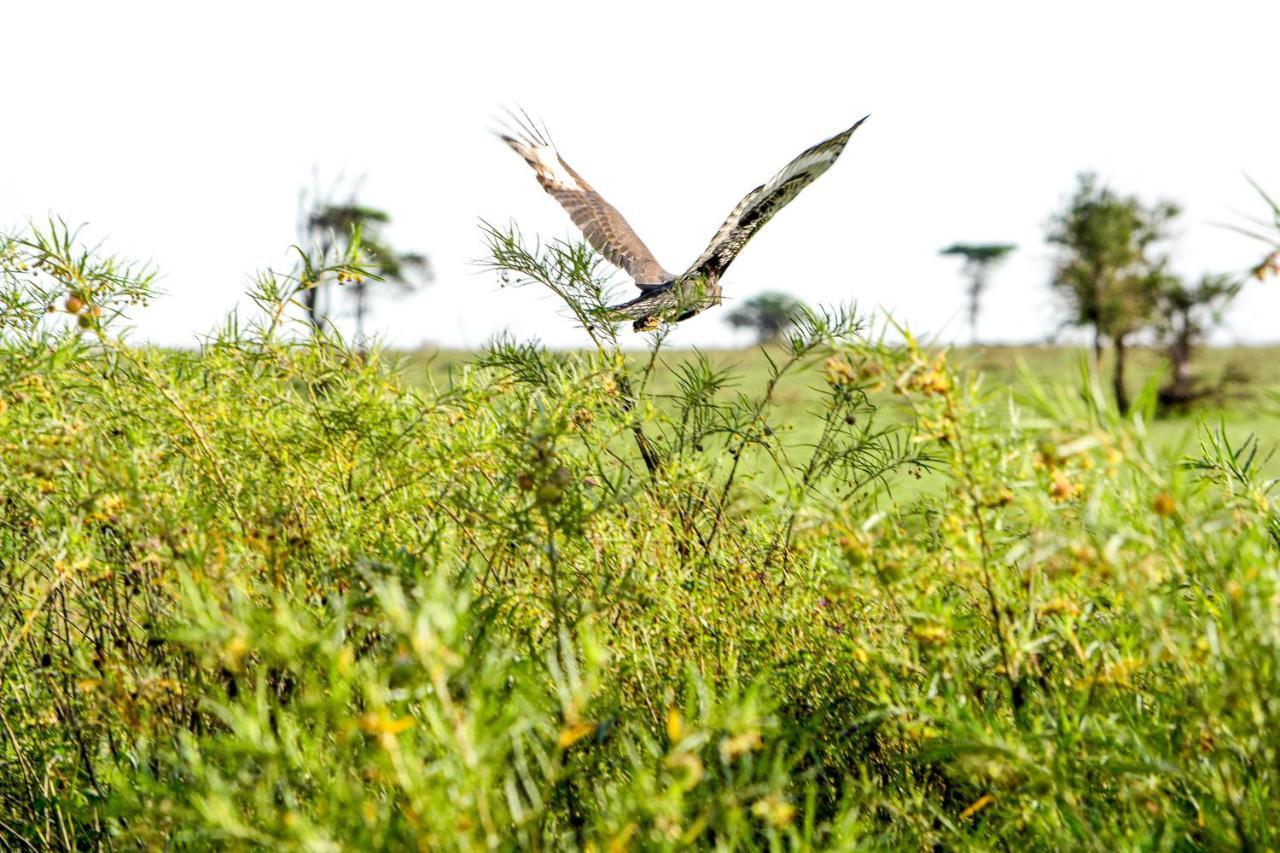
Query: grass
[1247,379]
[279,594]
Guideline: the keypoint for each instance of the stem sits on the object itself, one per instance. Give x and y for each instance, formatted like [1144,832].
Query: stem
[652,461]
[1016,693]
[1117,376]
[747,434]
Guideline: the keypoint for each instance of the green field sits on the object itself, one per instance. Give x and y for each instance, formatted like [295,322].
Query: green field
[282,594]
[1244,384]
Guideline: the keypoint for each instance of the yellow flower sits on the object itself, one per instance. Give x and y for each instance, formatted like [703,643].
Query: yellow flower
[1057,605]
[1062,489]
[383,723]
[732,747]
[570,735]
[235,651]
[774,809]
[1004,497]
[977,806]
[839,372]
[675,730]
[622,841]
[931,635]
[1164,505]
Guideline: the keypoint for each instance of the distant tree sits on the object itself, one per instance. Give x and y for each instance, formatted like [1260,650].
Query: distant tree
[768,314]
[331,227]
[980,260]
[1184,315]
[1108,269]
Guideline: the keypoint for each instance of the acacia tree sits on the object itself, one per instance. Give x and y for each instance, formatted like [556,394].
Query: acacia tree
[769,314]
[1109,269]
[333,227]
[980,260]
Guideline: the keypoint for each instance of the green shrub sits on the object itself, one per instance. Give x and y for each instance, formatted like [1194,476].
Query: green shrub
[268,594]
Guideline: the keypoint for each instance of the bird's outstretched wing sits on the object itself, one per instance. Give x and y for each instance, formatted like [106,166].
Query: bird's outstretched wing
[764,201]
[599,221]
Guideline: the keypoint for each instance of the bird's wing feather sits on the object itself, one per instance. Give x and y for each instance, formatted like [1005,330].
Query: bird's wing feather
[764,201]
[599,221]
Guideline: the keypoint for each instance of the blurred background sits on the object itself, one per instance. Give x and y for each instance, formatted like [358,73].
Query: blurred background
[208,138]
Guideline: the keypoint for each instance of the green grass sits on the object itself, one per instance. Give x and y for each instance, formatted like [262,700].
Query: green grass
[1245,382]
[280,595]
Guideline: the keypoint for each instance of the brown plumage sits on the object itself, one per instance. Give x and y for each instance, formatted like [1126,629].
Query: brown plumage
[663,296]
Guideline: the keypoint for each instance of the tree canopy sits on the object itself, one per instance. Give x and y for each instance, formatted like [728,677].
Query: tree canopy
[336,225]
[769,314]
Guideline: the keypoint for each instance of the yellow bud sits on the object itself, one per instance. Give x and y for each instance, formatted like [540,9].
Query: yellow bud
[675,730]
[570,735]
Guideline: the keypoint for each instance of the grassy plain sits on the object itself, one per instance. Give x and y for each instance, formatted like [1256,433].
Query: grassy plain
[1245,383]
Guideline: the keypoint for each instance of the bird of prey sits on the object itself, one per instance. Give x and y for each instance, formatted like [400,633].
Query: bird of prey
[665,297]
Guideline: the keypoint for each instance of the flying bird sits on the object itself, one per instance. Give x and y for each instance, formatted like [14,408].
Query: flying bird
[664,296]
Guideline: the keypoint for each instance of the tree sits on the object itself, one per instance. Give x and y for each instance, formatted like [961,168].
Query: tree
[769,314]
[333,227]
[1184,315]
[1108,269]
[980,259]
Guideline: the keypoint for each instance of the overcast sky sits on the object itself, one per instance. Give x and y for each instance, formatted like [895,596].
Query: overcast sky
[182,133]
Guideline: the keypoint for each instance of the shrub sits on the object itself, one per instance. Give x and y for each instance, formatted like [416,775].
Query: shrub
[269,594]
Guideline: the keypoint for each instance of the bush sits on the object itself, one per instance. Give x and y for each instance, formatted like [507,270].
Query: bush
[270,595]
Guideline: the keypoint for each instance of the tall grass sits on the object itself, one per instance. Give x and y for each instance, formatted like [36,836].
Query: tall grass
[268,595]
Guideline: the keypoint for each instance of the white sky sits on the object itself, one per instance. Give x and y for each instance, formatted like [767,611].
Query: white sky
[182,133]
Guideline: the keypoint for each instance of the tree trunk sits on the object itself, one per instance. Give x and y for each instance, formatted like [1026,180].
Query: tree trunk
[1097,350]
[1181,390]
[311,296]
[362,296]
[1180,355]
[311,302]
[1117,377]
[975,294]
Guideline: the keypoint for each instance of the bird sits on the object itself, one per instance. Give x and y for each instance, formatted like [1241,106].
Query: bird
[664,297]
